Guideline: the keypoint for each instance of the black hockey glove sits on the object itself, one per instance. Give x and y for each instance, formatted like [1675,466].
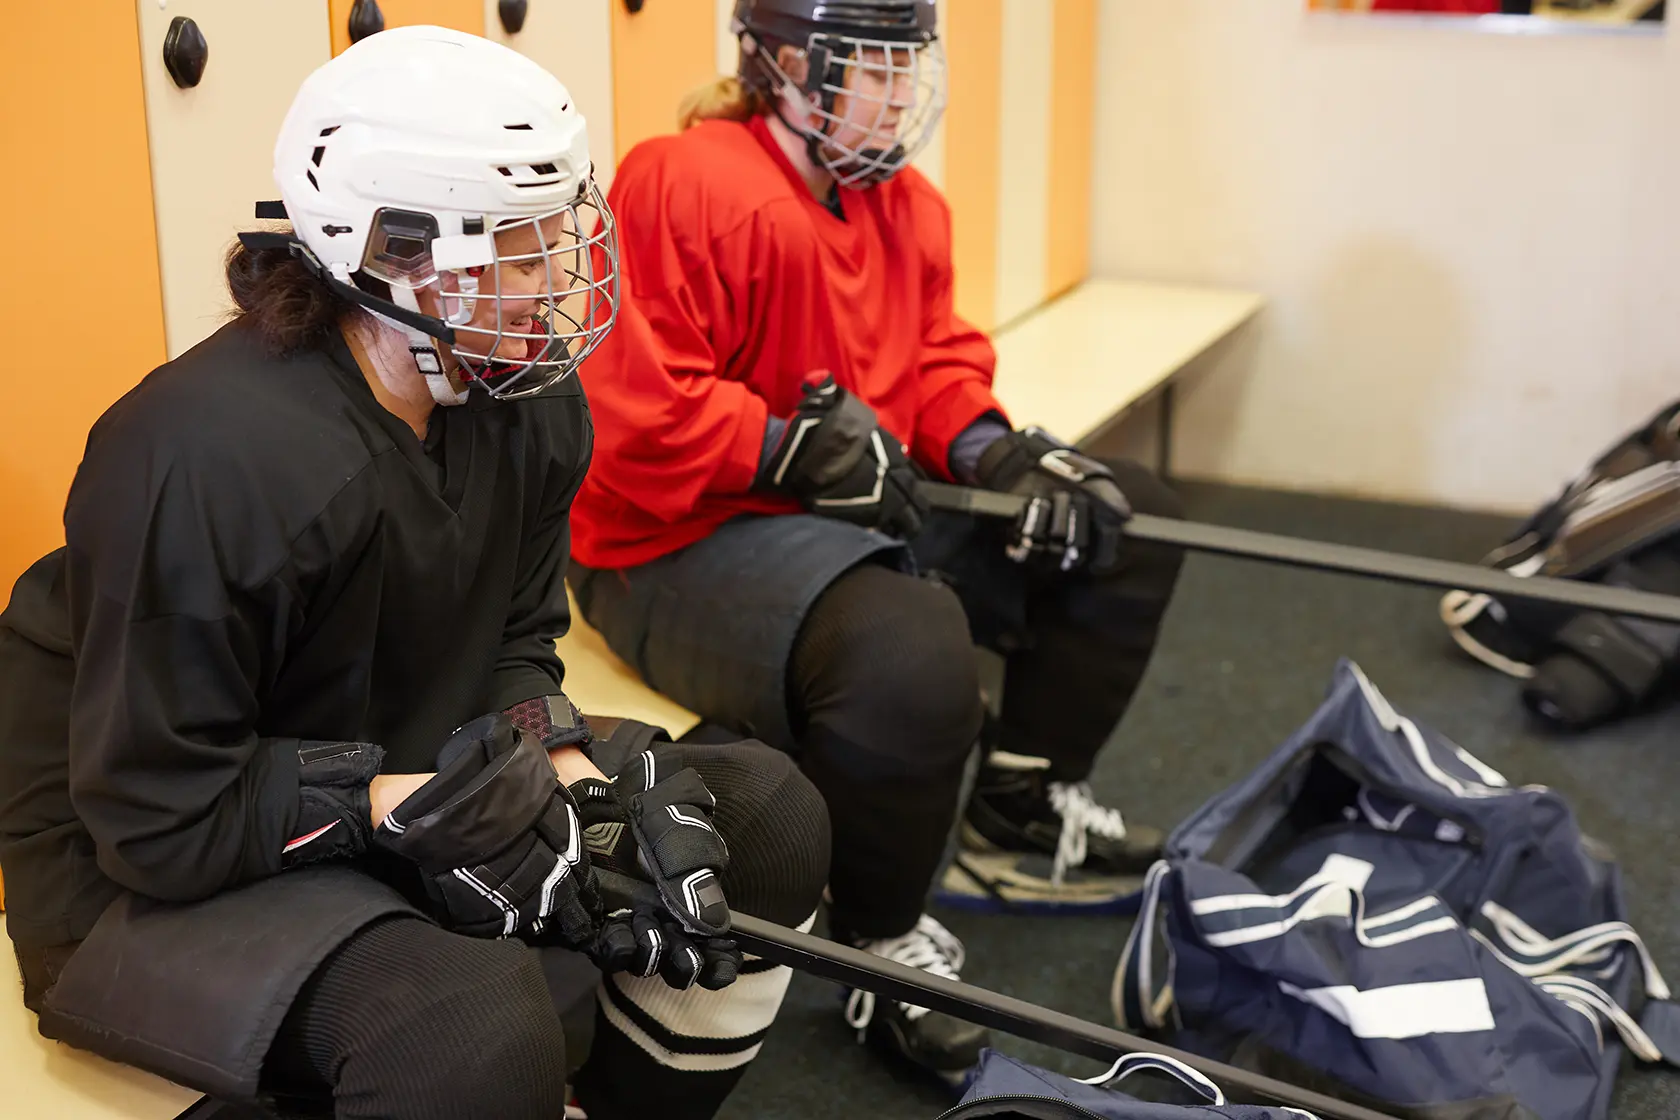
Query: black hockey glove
[499,840]
[658,857]
[836,460]
[1075,515]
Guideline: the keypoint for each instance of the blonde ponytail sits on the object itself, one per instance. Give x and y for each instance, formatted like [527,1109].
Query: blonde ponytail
[727,99]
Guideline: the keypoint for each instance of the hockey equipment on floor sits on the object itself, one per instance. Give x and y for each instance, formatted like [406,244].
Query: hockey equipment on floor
[1347,559]
[1378,913]
[1616,524]
[1031,845]
[888,980]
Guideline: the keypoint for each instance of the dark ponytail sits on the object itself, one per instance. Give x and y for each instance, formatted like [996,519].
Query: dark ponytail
[288,308]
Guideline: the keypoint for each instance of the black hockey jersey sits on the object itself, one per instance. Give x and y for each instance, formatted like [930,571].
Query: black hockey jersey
[259,553]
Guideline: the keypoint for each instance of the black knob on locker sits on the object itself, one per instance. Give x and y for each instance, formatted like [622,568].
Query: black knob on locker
[513,14]
[365,19]
[185,52]
[632,6]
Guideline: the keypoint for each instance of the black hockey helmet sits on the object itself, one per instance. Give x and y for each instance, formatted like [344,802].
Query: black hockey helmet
[794,21]
[890,44]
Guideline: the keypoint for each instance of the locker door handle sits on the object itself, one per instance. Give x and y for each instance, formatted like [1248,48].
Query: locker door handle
[185,52]
[513,15]
[365,19]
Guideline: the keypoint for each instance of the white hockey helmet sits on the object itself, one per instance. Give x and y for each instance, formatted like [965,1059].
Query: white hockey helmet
[401,159]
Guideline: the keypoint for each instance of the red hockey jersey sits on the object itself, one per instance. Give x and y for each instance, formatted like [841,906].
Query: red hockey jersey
[738,285]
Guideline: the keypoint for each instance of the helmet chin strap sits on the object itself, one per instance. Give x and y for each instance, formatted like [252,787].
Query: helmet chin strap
[424,350]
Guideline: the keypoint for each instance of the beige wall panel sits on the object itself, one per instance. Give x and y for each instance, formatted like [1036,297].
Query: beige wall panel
[1469,291]
[572,39]
[728,59]
[212,146]
[1024,151]
[930,161]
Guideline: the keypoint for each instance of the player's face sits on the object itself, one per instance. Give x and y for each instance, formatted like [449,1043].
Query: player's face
[533,260]
[880,89]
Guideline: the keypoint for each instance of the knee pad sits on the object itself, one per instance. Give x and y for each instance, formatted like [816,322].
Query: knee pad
[885,664]
[775,823]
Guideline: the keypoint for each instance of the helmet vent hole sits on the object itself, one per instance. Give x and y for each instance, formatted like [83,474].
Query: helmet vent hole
[545,169]
[508,171]
[517,127]
[316,157]
[329,131]
[312,181]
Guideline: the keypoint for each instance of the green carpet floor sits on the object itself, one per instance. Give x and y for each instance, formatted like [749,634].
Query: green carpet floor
[1245,657]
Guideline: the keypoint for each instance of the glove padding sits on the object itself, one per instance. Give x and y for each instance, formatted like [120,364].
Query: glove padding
[1075,515]
[642,937]
[836,460]
[659,857]
[499,840]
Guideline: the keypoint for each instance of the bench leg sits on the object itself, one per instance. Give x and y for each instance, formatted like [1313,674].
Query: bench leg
[1163,432]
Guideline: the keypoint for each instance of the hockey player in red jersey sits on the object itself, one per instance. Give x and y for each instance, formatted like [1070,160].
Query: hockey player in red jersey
[786,364]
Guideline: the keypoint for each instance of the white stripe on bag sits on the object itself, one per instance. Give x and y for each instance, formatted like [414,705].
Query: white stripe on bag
[1337,868]
[1403,1010]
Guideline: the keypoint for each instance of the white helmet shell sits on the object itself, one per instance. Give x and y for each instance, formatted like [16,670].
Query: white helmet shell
[431,120]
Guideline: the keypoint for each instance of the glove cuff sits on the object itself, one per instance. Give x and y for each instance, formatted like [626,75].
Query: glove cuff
[335,812]
[554,720]
[478,805]
[1007,460]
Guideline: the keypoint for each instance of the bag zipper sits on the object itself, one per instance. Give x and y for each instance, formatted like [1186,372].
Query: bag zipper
[973,1108]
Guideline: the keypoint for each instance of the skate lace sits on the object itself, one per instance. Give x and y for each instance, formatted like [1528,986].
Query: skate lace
[930,947]
[1081,816]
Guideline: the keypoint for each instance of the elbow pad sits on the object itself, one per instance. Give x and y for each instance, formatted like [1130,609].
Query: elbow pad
[335,815]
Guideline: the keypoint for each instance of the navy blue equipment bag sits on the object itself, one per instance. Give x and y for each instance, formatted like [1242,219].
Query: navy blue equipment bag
[1003,1087]
[1378,915]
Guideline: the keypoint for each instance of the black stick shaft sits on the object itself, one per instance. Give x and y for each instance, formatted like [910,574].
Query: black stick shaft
[1347,559]
[891,980]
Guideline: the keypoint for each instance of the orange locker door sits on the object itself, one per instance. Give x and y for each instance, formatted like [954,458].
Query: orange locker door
[659,54]
[973,152]
[78,213]
[1072,136]
[462,15]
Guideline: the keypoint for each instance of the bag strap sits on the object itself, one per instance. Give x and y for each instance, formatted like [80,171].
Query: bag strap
[1129,1064]
[1528,952]
[1531,954]
[1135,998]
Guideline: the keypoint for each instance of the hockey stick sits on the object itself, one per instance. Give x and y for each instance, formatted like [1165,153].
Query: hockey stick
[891,980]
[1324,556]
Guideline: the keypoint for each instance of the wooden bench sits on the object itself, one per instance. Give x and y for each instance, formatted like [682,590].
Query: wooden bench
[1082,363]
[1075,367]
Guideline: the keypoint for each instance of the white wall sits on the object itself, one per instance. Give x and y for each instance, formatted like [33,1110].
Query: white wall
[1470,242]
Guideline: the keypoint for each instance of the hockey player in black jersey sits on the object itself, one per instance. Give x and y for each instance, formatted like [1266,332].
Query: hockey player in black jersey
[291,798]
